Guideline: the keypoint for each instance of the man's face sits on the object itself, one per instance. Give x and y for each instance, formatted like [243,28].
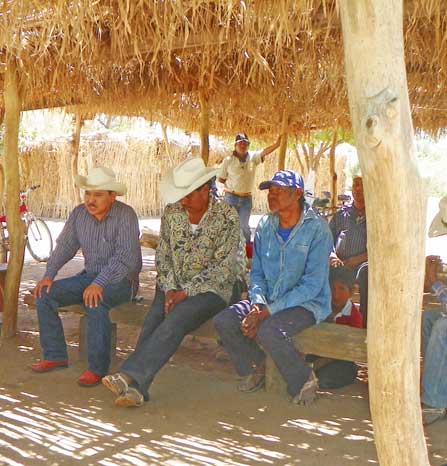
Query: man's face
[98,203]
[196,201]
[241,147]
[357,190]
[281,198]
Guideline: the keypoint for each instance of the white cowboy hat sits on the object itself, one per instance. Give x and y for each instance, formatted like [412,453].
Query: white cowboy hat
[100,179]
[438,226]
[185,178]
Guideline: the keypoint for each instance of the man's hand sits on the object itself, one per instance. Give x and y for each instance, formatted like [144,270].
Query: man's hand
[46,282]
[92,295]
[172,298]
[335,261]
[249,326]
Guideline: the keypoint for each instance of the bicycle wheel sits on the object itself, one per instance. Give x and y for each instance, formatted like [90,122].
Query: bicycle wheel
[39,241]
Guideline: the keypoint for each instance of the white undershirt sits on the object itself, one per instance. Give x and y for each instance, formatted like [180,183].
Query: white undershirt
[194,227]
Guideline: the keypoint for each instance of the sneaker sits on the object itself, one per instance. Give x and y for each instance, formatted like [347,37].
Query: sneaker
[116,383]
[308,393]
[47,366]
[431,415]
[89,379]
[132,398]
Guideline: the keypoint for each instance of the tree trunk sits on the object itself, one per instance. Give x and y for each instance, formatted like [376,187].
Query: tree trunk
[284,137]
[380,113]
[16,228]
[204,126]
[332,171]
[78,121]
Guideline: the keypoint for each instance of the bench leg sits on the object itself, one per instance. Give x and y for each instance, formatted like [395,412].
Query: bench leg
[83,353]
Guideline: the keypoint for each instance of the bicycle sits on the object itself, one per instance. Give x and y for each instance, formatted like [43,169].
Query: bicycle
[39,241]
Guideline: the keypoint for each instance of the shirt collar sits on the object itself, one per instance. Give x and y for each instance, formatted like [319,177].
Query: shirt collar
[346,311]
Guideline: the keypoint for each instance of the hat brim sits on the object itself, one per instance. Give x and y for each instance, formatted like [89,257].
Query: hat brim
[171,193]
[119,188]
[437,227]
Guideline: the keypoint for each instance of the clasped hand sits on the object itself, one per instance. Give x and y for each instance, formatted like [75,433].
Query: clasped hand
[249,326]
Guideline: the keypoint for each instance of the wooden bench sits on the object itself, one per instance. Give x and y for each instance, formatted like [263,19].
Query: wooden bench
[326,340]
[131,313]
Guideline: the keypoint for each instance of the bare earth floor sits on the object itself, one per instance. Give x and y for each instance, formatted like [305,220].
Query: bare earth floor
[195,416]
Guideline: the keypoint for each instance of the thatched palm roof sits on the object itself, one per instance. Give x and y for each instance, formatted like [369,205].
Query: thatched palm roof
[250,58]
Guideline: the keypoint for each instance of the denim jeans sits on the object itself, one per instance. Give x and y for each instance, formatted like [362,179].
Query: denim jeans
[162,334]
[243,206]
[361,277]
[69,291]
[273,336]
[434,350]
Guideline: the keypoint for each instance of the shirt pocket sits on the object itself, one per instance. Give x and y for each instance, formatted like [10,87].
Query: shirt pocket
[296,257]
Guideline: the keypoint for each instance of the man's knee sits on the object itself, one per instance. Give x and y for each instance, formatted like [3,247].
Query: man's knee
[267,333]
[439,330]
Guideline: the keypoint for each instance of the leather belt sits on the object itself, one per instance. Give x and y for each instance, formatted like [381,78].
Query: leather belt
[238,194]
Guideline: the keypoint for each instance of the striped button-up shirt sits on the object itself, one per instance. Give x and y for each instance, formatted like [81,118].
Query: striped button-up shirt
[110,247]
[349,231]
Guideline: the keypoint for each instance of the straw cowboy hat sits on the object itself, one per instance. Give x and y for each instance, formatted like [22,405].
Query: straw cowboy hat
[184,179]
[100,179]
[438,226]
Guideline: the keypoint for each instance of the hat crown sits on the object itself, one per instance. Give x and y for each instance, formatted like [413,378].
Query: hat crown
[100,175]
[188,171]
[443,208]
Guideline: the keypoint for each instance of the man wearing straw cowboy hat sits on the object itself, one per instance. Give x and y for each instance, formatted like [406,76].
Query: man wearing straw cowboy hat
[199,259]
[434,338]
[107,232]
[237,173]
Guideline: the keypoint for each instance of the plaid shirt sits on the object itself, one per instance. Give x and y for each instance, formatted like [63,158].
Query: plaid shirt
[111,247]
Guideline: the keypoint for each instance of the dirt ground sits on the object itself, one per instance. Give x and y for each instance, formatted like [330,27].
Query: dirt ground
[195,416]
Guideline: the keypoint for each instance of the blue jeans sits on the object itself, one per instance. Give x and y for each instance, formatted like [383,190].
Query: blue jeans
[361,277]
[243,206]
[274,336]
[69,291]
[434,350]
[162,334]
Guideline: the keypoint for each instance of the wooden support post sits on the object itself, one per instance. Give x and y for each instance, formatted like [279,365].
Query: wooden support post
[16,228]
[75,143]
[204,126]
[284,136]
[164,130]
[332,170]
[383,131]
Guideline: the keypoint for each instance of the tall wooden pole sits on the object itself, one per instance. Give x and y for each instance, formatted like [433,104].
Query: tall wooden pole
[75,143]
[284,137]
[332,170]
[204,126]
[383,131]
[16,228]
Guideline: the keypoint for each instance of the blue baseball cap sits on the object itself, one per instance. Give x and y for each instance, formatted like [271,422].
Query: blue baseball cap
[286,179]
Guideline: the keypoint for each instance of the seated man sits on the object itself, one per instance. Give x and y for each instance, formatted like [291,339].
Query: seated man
[348,228]
[336,373]
[289,291]
[434,339]
[199,261]
[107,232]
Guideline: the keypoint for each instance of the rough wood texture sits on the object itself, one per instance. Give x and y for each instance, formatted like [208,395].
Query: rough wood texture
[284,137]
[333,173]
[326,340]
[204,126]
[383,131]
[16,227]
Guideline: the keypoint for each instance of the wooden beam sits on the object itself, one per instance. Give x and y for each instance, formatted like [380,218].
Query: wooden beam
[383,131]
[75,143]
[204,126]
[332,170]
[16,228]
[284,136]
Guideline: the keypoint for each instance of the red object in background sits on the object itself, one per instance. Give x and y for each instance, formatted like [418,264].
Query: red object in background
[249,250]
